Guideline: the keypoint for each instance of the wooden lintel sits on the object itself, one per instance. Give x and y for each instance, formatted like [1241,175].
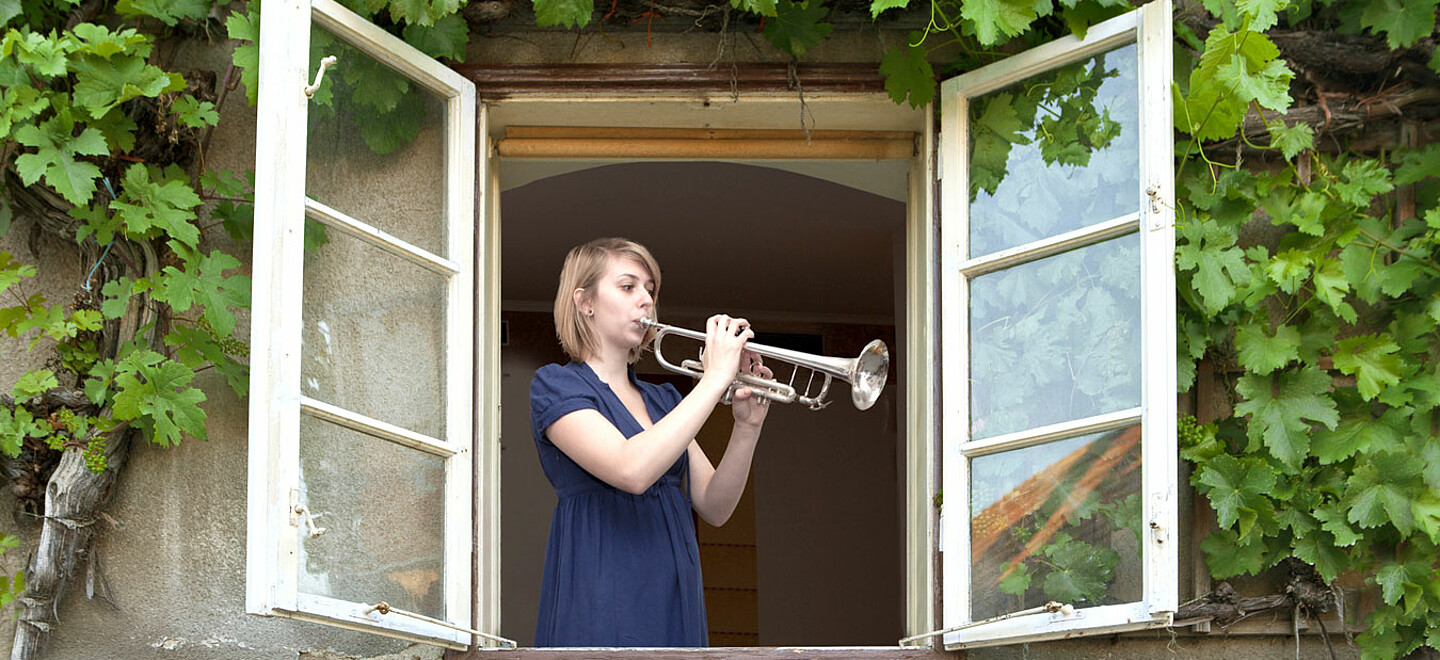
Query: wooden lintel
[746,149]
[493,81]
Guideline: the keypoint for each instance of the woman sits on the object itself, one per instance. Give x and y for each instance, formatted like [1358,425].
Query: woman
[623,567]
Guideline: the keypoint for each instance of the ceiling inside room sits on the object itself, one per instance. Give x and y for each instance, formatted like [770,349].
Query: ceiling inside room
[747,240]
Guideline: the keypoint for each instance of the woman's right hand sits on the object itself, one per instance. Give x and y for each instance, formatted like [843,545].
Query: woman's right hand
[725,339]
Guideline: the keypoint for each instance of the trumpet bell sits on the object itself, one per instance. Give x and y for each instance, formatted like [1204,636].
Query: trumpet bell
[867,381]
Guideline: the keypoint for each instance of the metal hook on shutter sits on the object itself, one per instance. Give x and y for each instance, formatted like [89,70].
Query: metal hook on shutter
[302,512]
[325,63]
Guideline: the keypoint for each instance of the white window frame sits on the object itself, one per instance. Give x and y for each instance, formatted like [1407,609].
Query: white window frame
[1150,28]
[276,403]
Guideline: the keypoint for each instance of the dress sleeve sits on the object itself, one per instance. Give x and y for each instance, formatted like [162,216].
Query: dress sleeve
[556,392]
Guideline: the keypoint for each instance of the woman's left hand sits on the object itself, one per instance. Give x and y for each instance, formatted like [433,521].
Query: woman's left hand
[748,407]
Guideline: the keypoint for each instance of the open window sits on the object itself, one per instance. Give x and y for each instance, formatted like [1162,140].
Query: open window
[1058,321]
[363,331]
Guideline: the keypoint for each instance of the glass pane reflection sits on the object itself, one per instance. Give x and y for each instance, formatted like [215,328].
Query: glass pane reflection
[1056,339]
[1059,521]
[375,147]
[376,546]
[374,335]
[1055,152]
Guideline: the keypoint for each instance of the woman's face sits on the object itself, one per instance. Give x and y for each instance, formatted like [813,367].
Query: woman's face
[622,296]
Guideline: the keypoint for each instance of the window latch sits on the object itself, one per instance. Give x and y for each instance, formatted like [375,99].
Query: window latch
[325,63]
[302,513]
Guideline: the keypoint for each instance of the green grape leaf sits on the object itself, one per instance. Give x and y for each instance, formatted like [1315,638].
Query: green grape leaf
[55,157]
[1333,521]
[1262,353]
[1281,408]
[1263,13]
[11,271]
[445,38]
[196,347]
[195,113]
[33,384]
[150,205]
[19,103]
[1269,86]
[1289,269]
[422,12]
[156,392]
[570,13]
[1209,249]
[102,84]
[169,12]
[204,283]
[1379,491]
[117,297]
[42,56]
[1320,551]
[1212,110]
[1372,360]
[99,41]
[1079,16]
[1354,434]
[998,20]
[245,27]
[1407,581]
[757,7]
[15,427]
[1427,515]
[9,9]
[1291,140]
[1331,287]
[1362,179]
[1017,581]
[1081,572]
[1418,164]
[118,129]
[796,26]
[1226,556]
[1238,490]
[878,6]
[1403,21]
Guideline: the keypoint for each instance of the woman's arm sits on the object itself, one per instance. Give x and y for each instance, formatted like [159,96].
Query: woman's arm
[714,492]
[633,464]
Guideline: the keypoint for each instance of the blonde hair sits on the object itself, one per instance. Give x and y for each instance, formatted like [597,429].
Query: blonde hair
[582,270]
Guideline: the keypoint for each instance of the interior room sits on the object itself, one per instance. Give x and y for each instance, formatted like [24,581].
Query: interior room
[812,254]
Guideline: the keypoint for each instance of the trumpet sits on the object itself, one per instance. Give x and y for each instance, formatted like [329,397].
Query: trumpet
[866,373]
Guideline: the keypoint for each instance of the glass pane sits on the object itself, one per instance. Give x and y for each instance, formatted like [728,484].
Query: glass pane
[376,146]
[1055,152]
[1056,339]
[376,546]
[1059,521]
[374,335]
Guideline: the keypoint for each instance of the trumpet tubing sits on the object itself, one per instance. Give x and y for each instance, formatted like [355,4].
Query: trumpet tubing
[866,373]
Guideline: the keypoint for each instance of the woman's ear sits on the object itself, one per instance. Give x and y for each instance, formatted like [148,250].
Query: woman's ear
[579,299]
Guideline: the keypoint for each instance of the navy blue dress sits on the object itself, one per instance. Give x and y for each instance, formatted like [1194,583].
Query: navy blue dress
[620,569]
